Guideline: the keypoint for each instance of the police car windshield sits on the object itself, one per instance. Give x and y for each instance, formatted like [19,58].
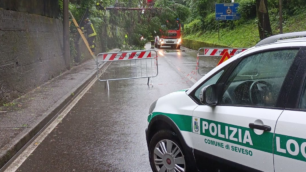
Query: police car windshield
[255,67]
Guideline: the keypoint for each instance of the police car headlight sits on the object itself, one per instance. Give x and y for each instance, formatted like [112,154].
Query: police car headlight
[152,107]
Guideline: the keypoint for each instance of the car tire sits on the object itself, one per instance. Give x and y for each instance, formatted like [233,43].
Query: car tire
[166,152]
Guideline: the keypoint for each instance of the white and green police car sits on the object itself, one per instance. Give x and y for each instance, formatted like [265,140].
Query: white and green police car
[247,114]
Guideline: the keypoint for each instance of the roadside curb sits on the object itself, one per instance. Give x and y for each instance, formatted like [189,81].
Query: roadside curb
[195,45]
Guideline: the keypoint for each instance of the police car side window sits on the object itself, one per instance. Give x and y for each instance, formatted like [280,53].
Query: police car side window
[210,81]
[257,79]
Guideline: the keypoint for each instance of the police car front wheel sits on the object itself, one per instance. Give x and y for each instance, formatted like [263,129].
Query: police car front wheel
[166,154]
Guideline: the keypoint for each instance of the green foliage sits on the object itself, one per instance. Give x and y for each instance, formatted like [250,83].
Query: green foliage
[205,7]
[193,26]
[293,7]
[193,6]
[197,15]
[182,12]
[171,11]
[290,7]
[113,25]
[9,104]
[60,3]
[247,9]
[246,35]
[210,22]
[203,10]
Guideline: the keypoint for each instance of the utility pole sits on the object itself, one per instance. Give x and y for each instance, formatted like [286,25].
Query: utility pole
[66,34]
[280,16]
[264,26]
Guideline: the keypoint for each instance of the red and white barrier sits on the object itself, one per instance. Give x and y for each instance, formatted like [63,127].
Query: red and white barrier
[212,55]
[143,63]
[221,51]
[126,55]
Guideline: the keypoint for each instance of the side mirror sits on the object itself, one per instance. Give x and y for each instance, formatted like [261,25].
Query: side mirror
[209,95]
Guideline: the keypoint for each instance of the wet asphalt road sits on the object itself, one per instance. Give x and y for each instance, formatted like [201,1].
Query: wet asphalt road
[105,131]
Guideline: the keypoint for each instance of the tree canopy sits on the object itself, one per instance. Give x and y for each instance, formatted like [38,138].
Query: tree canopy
[197,15]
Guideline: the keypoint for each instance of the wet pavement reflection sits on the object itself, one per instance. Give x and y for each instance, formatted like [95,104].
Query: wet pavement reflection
[105,131]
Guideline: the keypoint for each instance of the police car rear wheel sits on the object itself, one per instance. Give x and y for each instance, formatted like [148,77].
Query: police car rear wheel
[166,154]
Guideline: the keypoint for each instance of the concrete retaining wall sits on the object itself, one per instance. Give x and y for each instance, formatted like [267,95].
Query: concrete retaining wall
[31,52]
[48,8]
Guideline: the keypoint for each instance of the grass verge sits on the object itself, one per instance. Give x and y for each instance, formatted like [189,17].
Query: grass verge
[245,35]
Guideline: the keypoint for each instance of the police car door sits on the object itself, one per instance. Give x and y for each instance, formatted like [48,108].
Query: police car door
[290,135]
[238,132]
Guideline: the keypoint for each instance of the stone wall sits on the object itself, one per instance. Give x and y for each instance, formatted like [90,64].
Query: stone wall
[48,8]
[31,52]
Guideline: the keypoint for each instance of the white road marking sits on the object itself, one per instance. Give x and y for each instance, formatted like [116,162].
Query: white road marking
[30,149]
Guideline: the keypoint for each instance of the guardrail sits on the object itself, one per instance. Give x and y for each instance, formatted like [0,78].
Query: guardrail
[126,65]
[208,58]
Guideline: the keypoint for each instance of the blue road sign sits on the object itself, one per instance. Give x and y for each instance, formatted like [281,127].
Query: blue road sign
[227,11]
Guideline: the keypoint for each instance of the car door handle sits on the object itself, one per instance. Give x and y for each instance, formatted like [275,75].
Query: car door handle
[260,127]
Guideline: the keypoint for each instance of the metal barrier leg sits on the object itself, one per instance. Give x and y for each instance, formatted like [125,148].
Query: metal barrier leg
[107,85]
[150,79]
[152,82]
